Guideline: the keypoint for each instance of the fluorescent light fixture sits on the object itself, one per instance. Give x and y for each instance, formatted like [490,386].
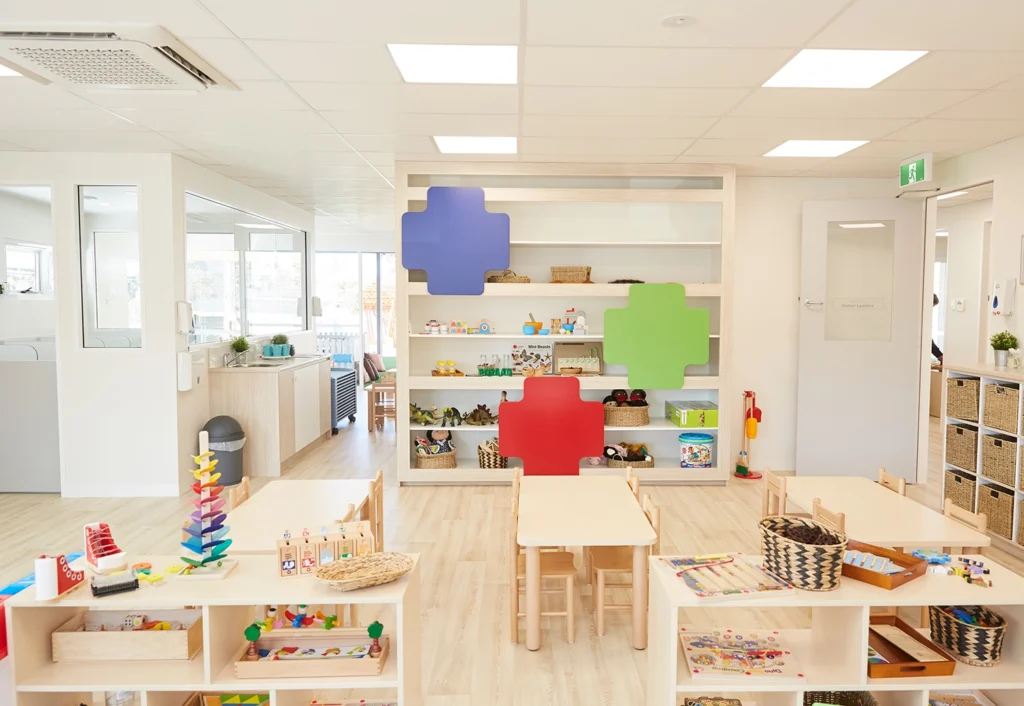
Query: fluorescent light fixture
[456,63]
[950,195]
[815,148]
[475,145]
[862,225]
[257,225]
[7,71]
[841,68]
[941,233]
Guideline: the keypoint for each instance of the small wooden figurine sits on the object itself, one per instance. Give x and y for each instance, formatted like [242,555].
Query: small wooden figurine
[375,631]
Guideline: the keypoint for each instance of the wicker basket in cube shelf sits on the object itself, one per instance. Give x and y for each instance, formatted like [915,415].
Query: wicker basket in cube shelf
[1001,407]
[615,463]
[574,275]
[962,447]
[997,504]
[959,487]
[978,642]
[434,462]
[627,416]
[962,398]
[509,277]
[998,459]
[1020,529]
[812,567]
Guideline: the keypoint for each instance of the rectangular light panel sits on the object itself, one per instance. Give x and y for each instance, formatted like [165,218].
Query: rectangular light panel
[862,225]
[456,63]
[950,195]
[815,148]
[841,68]
[448,144]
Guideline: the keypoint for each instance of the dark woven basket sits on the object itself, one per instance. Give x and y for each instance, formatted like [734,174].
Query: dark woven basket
[807,566]
[840,698]
[970,644]
[489,458]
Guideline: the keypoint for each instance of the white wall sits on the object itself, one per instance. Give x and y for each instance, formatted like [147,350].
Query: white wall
[966,226]
[330,239]
[766,308]
[26,220]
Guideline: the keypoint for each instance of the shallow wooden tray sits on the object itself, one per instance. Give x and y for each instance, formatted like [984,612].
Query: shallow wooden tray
[915,568]
[71,643]
[900,663]
[354,667]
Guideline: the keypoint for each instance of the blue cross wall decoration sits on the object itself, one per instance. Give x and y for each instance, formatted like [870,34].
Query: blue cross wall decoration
[456,240]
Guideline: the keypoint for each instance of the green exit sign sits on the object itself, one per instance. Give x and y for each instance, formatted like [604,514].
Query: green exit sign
[916,170]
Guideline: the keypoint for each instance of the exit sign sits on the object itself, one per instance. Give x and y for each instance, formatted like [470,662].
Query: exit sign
[916,170]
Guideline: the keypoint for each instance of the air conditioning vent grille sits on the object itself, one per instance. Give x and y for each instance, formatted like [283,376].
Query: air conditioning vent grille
[186,65]
[101,67]
[57,35]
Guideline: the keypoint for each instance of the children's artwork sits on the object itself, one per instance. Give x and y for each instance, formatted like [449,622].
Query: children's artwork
[729,654]
[204,533]
[531,359]
[307,653]
[725,576]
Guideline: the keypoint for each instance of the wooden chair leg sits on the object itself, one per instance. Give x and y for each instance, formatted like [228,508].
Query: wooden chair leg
[589,564]
[570,614]
[600,603]
[513,611]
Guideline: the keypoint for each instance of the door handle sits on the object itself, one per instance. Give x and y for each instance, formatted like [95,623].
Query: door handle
[808,303]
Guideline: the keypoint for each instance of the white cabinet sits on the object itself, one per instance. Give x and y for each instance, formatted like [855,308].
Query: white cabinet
[306,394]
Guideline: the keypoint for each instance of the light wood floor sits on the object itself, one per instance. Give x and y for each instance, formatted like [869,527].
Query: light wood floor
[462,534]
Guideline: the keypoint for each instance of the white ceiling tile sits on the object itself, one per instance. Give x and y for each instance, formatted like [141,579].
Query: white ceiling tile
[479,100]
[840,167]
[254,96]
[460,125]
[379,159]
[123,141]
[184,19]
[361,123]
[989,131]
[231,121]
[845,103]
[637,146]
[992,105]
[804,128]
[10,146]
[327,62]
[256,142]
[926,24]
[1014,84]
[957,69]
[730,148]
[614,66]
[545,100]
[391,143]
[28,94]
[232,58]
[614,126]
[193,156]
[77,120]
[896,150]
[350,97]
[396,21]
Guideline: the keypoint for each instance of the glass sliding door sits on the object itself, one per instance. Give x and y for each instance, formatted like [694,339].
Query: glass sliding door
[357,294]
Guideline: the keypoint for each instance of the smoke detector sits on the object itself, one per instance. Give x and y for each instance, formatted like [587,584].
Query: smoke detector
[107,58]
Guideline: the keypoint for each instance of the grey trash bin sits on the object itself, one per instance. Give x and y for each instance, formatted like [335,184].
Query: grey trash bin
[226,442]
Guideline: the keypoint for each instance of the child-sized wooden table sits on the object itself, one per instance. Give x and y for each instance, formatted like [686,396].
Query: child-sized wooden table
[575,511]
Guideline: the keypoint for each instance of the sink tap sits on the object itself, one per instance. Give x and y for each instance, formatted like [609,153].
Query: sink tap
[232,360]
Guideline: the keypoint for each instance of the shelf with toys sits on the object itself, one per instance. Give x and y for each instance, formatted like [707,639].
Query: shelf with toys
[572,291]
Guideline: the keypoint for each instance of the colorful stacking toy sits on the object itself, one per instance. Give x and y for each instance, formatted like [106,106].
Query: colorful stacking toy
[204,533]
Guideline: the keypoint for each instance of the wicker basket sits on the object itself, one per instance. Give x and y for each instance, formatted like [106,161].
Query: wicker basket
[962,398]
[613,463]
[570,274]
[1001,407]
[970,644]
[962,447]
[998,459]
[627,416]
[487,454]
[959,487]
[997,504]
[1020,530]
[435,461]
[839,698]
[509,277]
[364,571]
[807,566]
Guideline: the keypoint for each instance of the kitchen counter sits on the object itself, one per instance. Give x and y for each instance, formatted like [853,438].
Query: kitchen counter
[287,364]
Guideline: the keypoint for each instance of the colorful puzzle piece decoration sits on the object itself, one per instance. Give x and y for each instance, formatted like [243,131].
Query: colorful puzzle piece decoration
[656,336]
[456,240]
[551,428]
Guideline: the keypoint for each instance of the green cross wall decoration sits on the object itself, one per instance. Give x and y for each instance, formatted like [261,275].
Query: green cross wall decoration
[656,336]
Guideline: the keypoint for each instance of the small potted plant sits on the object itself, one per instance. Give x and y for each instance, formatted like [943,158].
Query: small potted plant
[1001,343]
[280,343]
[239,345]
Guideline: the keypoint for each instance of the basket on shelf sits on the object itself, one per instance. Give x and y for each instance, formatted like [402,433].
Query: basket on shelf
[959,487]
[998,459]
[570,371]
[627,416]
[962,398]
[840,698]
[971,644]
[615,463]
[509,277]
[364,571]
[812,567]
[436,461]
[1001,407]
[574,275]
[487,454]
[997,505]
[962,447]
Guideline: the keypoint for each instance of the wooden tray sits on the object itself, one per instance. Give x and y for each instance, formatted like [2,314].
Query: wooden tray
[71,643]
[356,667]
[915,568]
[900,663]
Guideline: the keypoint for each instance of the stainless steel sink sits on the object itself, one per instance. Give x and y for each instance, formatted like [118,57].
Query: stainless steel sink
[260,365]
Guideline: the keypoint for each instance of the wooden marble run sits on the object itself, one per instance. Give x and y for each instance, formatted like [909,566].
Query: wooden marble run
[302,555]
[204,533]
[101,552]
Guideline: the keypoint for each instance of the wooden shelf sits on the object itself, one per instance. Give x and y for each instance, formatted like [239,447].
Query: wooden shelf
[559,338]
[620,244]
[547,289]
[515,382]
[470,473]
[657,424]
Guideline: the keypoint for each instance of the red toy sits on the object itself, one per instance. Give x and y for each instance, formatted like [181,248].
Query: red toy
[101,552]
[54,577]
[551,429]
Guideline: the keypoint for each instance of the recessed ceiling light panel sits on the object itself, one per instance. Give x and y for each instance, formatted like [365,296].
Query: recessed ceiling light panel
[448,144]
[456,63]
[950,195]
[6,71]
[841,68]
[815,148]
[862,225]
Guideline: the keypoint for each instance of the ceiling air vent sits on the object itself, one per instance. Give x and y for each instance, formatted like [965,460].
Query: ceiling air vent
[119,58]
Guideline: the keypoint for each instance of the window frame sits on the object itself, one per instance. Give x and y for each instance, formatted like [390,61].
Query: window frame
[43,268]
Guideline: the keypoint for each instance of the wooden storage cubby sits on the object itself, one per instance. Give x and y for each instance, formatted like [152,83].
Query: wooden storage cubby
[71,643]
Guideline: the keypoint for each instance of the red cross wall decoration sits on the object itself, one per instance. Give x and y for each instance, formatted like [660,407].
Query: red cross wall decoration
[551,429]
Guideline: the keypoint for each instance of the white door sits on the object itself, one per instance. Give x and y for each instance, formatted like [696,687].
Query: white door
[860,338]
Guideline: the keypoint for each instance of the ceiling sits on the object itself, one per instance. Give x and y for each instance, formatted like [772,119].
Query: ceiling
[982,192]
[323,113]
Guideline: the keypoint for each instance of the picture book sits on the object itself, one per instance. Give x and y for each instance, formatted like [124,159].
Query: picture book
[724,576]
[727,654]
[936,699]
[531,358]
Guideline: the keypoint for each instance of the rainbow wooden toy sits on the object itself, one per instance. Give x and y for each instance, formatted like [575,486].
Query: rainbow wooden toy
[204,533]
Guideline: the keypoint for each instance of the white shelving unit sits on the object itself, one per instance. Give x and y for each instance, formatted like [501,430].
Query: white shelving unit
[227,607]
[987,375]
[671,223]
[833,651]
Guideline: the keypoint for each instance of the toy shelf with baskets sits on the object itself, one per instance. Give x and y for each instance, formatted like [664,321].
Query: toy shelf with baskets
[654,224]
[982,442]
[228,606]
[832,652]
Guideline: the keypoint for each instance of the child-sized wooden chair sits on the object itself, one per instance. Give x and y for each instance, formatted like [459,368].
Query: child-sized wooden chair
[380,397]
[634,482]
[517,473]
[238,494]
[833,520]
[891,482]
[774,500]
[618,560]
[553,565]
[975,520]
[375,509]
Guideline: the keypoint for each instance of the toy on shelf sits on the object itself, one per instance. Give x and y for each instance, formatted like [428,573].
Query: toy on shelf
[531,359]
[302,555]
[498,365]
[101,553]
[375,630]
[556,326]
[621,398]
[55,577]
[972,571]
[452,417]
[629,453]
[724,576]
[866,560]
[727,654]
[446,368]
[485,327]
[932,556]
[423,417]
[458,328]
[109,585]
[480,417]
[531,327]
[586,358]
[751,417]
[432,327]
[569,321]
[204,533]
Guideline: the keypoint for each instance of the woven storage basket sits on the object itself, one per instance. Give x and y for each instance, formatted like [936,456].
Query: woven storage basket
[998,459]
[997,504]
[612,463]
[570,274]
[488,455]
[1020,530]
[839,698]
[962,447]
[435,461]
[970,644]
[1001,407]
[962,398]
[959,487]
[807,566]
[509,277]
[627,416]
[364,571]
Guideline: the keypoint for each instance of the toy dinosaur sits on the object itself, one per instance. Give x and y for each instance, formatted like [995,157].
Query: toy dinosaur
[452,417]
[481,416]
[422,416]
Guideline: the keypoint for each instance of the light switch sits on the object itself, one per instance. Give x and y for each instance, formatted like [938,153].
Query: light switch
[958,305]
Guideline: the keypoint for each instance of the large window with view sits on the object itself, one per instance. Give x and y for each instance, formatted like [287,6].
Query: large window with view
[357,291]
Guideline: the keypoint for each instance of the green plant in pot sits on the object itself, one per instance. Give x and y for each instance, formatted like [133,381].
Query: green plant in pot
[239,345]
[280,343]
[1001,343]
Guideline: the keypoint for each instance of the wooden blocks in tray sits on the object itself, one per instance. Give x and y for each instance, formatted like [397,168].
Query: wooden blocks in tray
[340,639]
[73,643]
[915,568]
[907,653]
